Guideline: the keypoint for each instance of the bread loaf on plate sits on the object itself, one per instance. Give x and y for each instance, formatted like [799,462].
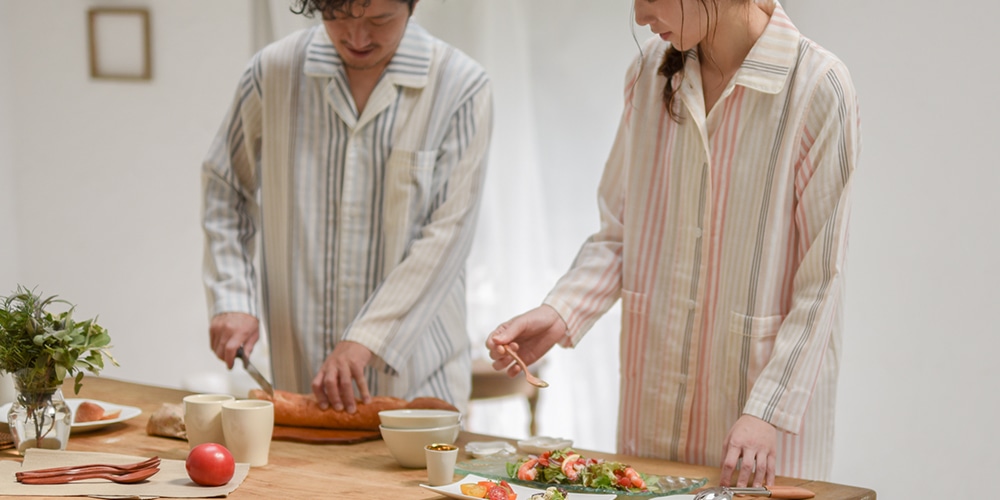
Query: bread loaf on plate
[302,410]
[89,411]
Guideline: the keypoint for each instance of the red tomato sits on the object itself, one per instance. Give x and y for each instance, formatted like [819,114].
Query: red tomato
[497,492]
[210,464]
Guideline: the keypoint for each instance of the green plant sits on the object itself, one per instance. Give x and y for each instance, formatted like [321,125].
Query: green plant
[42,348]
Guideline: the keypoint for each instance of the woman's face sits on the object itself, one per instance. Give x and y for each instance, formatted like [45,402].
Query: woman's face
[680,22]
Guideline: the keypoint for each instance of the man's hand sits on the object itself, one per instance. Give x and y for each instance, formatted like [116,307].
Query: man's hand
[228,331]
[343,368]
[756,442]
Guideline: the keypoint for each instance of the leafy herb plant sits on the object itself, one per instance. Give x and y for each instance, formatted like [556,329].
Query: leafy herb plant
[42,348]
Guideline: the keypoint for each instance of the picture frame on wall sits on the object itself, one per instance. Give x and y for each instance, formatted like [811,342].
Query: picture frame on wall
[119,42]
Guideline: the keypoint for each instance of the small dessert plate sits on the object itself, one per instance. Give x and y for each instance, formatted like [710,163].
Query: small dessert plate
[537,445]
[479,449]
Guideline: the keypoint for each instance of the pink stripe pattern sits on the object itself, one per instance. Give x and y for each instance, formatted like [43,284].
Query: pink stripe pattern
[724,234]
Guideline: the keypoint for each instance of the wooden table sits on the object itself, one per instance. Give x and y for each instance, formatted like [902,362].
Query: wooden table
[358,471]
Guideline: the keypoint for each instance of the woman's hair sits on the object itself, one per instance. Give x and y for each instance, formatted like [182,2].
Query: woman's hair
[673,64]
[327,8]
[673,61]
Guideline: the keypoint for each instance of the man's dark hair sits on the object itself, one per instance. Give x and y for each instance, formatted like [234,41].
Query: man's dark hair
[328,8]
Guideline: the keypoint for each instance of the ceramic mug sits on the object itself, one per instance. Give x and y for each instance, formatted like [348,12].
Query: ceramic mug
[247,425]
[203,418]
[441,459]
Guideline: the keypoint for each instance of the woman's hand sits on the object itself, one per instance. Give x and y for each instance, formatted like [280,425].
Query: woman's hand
[535,332]
[756,442]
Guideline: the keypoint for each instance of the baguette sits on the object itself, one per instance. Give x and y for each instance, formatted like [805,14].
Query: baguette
[302,410]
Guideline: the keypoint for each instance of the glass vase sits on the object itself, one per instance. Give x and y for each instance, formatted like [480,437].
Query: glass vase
[39,417]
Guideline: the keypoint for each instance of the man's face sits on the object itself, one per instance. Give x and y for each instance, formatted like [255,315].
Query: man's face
[367,37]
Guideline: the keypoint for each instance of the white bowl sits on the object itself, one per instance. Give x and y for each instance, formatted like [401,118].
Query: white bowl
[407,445]
[418,419]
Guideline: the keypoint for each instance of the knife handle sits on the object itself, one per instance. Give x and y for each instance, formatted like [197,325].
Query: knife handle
[790,492]
[242,355]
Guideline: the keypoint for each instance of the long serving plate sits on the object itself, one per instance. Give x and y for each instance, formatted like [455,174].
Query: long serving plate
[454,490]
[496,468]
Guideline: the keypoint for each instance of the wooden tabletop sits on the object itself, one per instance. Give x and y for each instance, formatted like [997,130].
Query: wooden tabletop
[357,471]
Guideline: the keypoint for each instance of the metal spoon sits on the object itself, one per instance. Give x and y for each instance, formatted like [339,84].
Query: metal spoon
[533,380]
[726,493]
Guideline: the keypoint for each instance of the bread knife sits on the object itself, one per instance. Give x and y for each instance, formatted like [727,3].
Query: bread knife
[254,372]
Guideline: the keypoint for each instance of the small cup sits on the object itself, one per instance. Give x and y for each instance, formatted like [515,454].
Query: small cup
[248,424]
[440,463]
[203,418]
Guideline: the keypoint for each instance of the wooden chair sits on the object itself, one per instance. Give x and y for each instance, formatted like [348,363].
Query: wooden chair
[488,383]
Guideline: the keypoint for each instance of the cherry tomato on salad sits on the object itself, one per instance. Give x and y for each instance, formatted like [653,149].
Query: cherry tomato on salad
[210,464]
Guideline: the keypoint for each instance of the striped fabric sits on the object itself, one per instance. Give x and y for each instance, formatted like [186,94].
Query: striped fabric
[725,237]
[366,221]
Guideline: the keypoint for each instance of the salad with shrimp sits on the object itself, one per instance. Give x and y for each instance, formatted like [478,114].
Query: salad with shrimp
[566,466]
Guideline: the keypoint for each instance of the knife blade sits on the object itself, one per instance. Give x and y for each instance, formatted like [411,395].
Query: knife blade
[254,372]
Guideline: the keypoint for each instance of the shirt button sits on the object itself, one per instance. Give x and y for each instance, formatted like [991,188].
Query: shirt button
[697,232]
[691,304]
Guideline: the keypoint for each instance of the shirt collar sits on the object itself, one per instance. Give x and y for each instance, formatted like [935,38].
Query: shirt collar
[409,66]
[772,57]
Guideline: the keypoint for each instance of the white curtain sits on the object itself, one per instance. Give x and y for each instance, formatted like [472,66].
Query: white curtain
[557,73]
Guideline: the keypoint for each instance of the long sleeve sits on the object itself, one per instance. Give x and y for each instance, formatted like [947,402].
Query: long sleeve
[229,211]
[593,283]
[829,153]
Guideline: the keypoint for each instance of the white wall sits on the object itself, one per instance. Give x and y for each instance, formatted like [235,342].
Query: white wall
[919,395]
[106,180]
[8,227]
[107,172]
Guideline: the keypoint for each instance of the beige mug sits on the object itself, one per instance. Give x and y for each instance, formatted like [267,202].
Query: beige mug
[203,418]
[247,425]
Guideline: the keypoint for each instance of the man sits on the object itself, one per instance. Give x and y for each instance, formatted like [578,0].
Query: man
[358,149]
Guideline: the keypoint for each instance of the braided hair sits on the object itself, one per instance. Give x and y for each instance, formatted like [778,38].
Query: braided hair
[673,64]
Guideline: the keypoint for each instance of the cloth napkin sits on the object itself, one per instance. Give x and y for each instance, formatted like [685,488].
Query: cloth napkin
[171,481]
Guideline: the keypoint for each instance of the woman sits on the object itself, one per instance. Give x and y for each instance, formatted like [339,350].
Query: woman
[724,211]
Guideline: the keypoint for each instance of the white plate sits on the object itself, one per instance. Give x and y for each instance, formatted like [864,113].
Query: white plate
[674,497]
[127,412]
[537,445]
[454,490]
[479,449]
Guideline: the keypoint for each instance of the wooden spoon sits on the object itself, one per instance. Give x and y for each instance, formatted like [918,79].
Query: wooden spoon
[126,478]
[533,380]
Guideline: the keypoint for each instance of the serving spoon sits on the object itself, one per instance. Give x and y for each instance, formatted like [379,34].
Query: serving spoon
[726,493]
[533,380]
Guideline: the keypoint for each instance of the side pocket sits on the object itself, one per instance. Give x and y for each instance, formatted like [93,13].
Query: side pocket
[760,332]
[634,303]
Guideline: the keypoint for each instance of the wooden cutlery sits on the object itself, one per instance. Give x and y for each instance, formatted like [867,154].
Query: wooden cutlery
[128,473]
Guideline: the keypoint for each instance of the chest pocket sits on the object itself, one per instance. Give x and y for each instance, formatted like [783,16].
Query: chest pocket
[409,189]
